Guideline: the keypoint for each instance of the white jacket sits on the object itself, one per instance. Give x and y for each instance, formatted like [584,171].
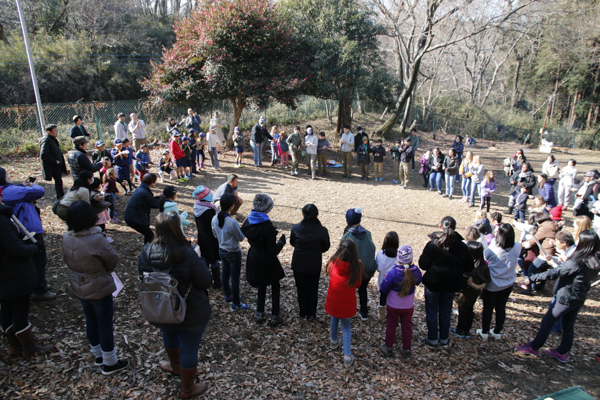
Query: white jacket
[311,143]
[349,145]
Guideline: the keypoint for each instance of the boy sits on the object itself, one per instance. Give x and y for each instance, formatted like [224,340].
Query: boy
[200,146]
[127,146]
[295,142]
[322,146]
[120,156]
[187,149]
[378,154]
[364,159]
[142,160]
[165,166]
[396,150]
[406,155]
[178,155]
[238,143]
[100,152]
[521,204]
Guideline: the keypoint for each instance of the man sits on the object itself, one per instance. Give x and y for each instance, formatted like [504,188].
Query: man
[121,127]
[257,137]
[347,143]
[406,154]
[414,142]
[53,162]
[229,187]
[78,160]
[294,141]
[78,129]
[193,121]
[137,127]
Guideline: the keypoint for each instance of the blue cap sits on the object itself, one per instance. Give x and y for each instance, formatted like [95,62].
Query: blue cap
[192,130]
[99,143]
[117,141]
[185,138]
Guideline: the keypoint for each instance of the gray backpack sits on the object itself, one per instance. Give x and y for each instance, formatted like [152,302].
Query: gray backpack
[160,299]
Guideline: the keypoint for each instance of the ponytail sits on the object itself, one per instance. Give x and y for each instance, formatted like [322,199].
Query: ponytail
[161,203]
[221,217]
[409,282]
[448,237]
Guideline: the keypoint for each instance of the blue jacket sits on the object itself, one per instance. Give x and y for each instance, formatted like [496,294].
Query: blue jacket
[19,198]
[547,192]
[141,160]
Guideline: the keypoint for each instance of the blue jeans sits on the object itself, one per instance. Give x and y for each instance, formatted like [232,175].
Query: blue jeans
[475,188]
[257,149]
[99,322]
[466,186]
[556,311]
[273,152]
[520,215]
[538,265]
[213,157]
[232,265]
[346,333]
[187,340]
[435,176]
[111,199]
[450,179]
[438,305]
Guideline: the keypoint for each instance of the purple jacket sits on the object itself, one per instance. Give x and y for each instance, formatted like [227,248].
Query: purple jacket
[547,192]
[487,187]
[424,161]
[19,198]
[392,286]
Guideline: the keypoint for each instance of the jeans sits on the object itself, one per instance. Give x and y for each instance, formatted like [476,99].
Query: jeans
[214,161]
[555,312]
[257,149]
[520,215]
[232,265]
[475,188]
[538,265]
[465,186]
[99,322]
[307,285]
[273,152]
[438,306]
[405,317]
[494,301]
[450,179]
[346,333]
[262,296]
[111,199]
[39,260]
[362,296]
[15,312]
[435,176]
[187,340]
[347,163]
[485,202]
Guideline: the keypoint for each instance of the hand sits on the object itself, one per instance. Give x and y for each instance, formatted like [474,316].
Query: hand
[526,281]
[548,258]
[57,162]
[282,239]
[40,245]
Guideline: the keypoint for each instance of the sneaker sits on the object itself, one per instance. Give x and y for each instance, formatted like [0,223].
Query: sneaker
[109,239]
[523,286]
[496,336]
[394,181]
[362,178]
[296,173]
[334,344]
[275,320]
[228,299]
[259,317]
[180,180]
[386,351]
[405,353]
[292,174]
[427,343]
[367,179]
[450,197]
[439,192]
[445,195]
[43,296]
[364,317]
[114,221]
[527,349]
[185,178]
[484,336]
[121,364]
[238,307]
[461,335]
[430,189]
[563,358]
[98,361]
[405,187]
[529,292]
[349,361]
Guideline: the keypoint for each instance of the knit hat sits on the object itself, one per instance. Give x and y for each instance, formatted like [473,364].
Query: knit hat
[556,213]
[262,203]
[201,192]
[99,143]
[353,216]
[405,254]
[261,121]
[236,129]
[310,211]
[169,191]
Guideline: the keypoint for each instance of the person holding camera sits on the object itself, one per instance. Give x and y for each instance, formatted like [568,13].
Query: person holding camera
[53,162]
[78,159]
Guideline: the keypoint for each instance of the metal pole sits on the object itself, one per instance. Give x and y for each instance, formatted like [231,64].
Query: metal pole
[36,91]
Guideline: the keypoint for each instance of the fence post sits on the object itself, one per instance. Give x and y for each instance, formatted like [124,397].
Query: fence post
[97,121]
[574,137]
[433,123]
[483,133]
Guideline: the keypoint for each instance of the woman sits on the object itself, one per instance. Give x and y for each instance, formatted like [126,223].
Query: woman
[567,179]
[311,142]
[436,162]
[216,122]
[550,168]
[445,259]
[424,162]
[450,166]
[91,260]
[517,161]
[571,289]
[137,212]
[546,190]
[458,146]
[580,224]
[465,174]
[310,240]
[545,234]
[80,191]
[204,211]
[213,145]
[173,127]
[170,252]
[502,256]
[477,176]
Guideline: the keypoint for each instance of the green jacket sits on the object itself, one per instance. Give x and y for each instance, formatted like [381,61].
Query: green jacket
[294,140]
[366,248]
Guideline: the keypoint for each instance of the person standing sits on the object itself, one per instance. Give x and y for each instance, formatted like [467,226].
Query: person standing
[137,212]
[477,172]
[414,142]
[458,147]
[52,159]
[523,177]
[451,163]
[407,153]
[229,187]
[121,128]
[78,160]
[347,144]
[257,137]
[312,141]
[436,166]
[465,174]
[137,127]
[204,211]
[323,145]
[78,129]
[212,142]
[216,122]
[567,179]
[358,139]
[295,142]
[193,121]
[395,151]
[378,154]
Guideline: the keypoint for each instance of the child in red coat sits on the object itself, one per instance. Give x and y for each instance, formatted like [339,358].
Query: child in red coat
[345,270]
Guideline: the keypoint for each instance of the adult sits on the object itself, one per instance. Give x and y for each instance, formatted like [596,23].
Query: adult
[79,191]
[465,174]
[21,198]
[257,137]
[450,166]
[502,256]
[216,122]
[358,139]
[445,260]
[546,190]
[204,211]
[570,292]
[137,212]
[230,187]
[212,143]
[550,168]
[310,240]
[78,129]
[192,121]
[582,196]
[170,252]
[522,178]
[52,159]
[90,260]
[458,147]
[78,159]
[137,128]
[173,127]
[414,142]
[516,161]
[311,141]
[436,165]
[544,235]
[407,153]
[477,172]
[294,141]
[17,280]
[121,127]
[567,180]
[347,145]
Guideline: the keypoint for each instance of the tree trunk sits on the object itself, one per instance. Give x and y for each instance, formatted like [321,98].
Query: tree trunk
[516,81]
[384,112]
[359,108]
[2,36]
[344,114]
[406,116]
[238,104]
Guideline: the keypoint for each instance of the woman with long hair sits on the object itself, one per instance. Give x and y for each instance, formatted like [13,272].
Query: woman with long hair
[580,224]
[465,174]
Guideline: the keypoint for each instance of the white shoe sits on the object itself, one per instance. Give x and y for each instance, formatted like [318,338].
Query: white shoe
[496,336]
[484,336]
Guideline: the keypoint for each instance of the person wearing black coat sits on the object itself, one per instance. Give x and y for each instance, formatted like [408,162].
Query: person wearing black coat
[522,178]
[53,162]
[445,260]
[78,159]
[262,265]
[204,211]
[257,137]
[78,129]
[137,212]
[17,280]
[310,240]
[171,253]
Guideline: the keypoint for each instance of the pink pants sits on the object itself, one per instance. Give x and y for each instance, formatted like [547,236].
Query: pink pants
[285,156]
[405,316]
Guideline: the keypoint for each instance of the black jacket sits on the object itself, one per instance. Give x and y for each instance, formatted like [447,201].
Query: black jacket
[139,205]
[192,271]
[78,161]
[49,154]
[358,140]
[309,246]
[363,154]
[262,265]
[259,133]
[209,245]
[78,131]
[452,164]
[444,270]
[529,181]
[17,272]
[378,153]
[406,153]
[436,161]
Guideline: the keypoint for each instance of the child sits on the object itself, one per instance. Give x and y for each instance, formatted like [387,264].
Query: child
[284,150]
[167,203]
[120,157]
[539,205]
[129,149]
[488,186]
[424,162]
[187,164]
[345,271]
[521,204]
[322,146]
[474,284]
[111,192]
[396,152]
[142,160]
[165,166]
[97,200]
[179,156]
[106,164]
[238,143]
[386,258]
[200,146]
[213,145]
[274,143]
[481,218]
[100,153]
[364,159]
[399,286]
[378,154]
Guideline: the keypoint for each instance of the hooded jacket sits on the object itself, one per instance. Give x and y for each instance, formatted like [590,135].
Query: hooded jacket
[366,248]
[436,161]
[451,164]
[139,205]
[392,286]
[209,245]
[341,299]
[309,246]
[172,206]
[262,265]
[19,198]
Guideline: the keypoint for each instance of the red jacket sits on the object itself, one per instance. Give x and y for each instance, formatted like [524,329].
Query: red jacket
[341,299]
[176,150]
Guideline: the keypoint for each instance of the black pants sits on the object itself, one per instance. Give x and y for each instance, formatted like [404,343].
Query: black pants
[307,285]
[465,311]
[494,301]
[362,296]
[262,296]
[143,229]
[39,260]
[58,183]
[425,179]
[15,312]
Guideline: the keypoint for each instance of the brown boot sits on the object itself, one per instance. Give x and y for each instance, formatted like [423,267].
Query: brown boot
[14,347]
[171,366]
[30,347]
[188,384]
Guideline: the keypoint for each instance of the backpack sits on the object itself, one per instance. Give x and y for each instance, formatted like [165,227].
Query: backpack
[160,299]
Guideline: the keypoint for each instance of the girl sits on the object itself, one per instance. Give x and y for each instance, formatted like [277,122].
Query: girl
[477,172]
[285,150]
[167,203]
[465,173]
[99,205]
[399,286]
[450,166]
[545,235]
[488,186]
[111,192]
[580,224]
[274,143]
[165,166]
[567,180]
[212,140]
[481,218]
[204,212]
[238,143]
[436,161]
[345,271]
[517,161]
[539,205]
[458,146]
[79,191]
[546,190]
[179,156]
[200,146]
[385,260]
[424,162]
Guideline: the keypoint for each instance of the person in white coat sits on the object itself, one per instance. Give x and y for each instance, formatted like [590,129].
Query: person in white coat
[567,180]
[216,122]
[312,143]
[212,142]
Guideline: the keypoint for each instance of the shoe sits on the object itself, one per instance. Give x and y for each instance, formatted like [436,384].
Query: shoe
[121,364]
[461,335]
[334,344]
[405,187]
[114,221]
[529,292]
[484,336]
[27,342]
[348,362]
[405,353]
[238,307]
[43,296]
[172,366]
[386,351]
[427,343]
[296,173]
[445,195]
[180,180]
[259,317]
[527,349]
[109,239]
[228,299]
[275,320]
[394,181]
[14,346]
[362,178]
[364,317]
[382,312]
[98,361]
[367,179]
[430,189]
[496,336]
[439,192]
[185,178]
[563,358]
[292,174]
[216,273]
[189,387]
[450,197]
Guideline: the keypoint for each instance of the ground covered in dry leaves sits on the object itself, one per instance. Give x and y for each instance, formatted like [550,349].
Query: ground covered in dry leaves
[240,360]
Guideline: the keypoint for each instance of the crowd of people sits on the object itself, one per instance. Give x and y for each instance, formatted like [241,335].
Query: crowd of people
[484,263]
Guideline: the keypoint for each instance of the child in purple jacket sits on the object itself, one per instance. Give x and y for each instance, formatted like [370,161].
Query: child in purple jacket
[399,286]
[488,186]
